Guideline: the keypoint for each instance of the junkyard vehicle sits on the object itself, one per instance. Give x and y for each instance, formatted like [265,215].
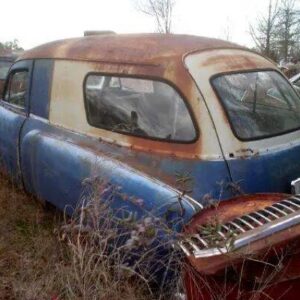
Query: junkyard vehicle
[176,122]
[295,80]
[5,64]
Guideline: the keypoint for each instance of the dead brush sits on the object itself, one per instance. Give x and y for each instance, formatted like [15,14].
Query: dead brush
[247,280]
[114,255]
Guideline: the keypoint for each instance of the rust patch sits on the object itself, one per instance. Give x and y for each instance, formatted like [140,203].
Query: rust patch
[132,161]
[230,62]
[270,276]
[2,83]
[229,210]
[175,73]
[134,48]
[233,208]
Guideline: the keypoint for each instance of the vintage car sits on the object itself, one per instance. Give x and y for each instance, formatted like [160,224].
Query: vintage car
[295,80]
[5,64]
[176,122]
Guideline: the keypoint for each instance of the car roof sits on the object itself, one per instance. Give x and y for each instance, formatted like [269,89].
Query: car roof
[126,48]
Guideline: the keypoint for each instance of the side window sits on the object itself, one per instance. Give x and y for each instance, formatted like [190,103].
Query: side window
[17,88]
[139,107]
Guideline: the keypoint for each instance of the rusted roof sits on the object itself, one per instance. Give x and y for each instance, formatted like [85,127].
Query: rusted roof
[130,48]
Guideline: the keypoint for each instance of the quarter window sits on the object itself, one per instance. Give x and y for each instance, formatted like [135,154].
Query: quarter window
[17,88]
[139,107]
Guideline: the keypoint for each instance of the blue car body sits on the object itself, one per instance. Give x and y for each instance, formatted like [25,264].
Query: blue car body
[48,146]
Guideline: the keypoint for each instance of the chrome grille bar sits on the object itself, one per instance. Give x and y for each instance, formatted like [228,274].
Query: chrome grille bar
[237,227]
[278,210]
[285,207]
[261,216]
[245,229]
[245,222]
[254,220]
[291,203]
[267,210]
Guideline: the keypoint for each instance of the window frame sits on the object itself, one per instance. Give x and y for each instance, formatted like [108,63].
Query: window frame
[233,129]
[7,86]
[169,83]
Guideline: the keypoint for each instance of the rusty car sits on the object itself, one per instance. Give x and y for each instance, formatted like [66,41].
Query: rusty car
[5,63]
[175,121]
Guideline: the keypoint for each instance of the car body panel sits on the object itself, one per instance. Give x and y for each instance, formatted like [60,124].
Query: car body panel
[264,165]
[58,142]
[12,120]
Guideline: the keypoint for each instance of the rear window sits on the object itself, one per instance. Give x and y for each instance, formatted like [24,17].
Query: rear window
[259,104]
[140,107]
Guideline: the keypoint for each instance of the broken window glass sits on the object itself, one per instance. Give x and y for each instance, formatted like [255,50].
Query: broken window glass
[139,107]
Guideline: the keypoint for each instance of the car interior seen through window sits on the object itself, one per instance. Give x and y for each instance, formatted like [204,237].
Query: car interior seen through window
[259,104]
[16,89]
[140,107]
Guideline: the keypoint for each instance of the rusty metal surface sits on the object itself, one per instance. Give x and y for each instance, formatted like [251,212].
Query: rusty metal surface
[284,286]
[133,49]
[2,83]
[233,208]
[227,211]
[267,268]
[67,107]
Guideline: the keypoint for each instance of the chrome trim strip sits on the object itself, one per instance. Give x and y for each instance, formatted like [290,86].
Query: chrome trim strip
[221,234]
[44,120]
[266,209]
[285,207]
[261,216]
[291,203]
[237,226]
[254,220]
[288,218]
[184,248]
[196,205]
[295,198]
[254,235]
[196,248]
[201,240]
[245,222]
[278,210]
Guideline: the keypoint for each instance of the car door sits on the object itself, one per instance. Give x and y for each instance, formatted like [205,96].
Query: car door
[13,113]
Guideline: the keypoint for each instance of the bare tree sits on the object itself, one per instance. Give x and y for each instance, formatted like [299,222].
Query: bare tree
[226,32]
[11,46]
[264,32]
[288,28]
[160,10]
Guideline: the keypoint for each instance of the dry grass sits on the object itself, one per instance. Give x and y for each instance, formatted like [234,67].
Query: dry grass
[45,256]
[29,253]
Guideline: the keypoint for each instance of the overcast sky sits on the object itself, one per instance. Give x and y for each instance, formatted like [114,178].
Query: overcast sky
[34,22]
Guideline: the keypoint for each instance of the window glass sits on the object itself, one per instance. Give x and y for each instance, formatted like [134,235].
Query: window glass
[259,103]
[4,68]
[136,106]
[17,87]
